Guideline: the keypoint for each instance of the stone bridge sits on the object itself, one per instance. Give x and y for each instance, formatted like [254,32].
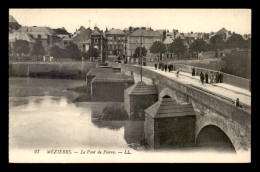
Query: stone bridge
[216,118]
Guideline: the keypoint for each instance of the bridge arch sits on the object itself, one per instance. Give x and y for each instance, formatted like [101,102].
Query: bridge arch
[211,136]
[168,92]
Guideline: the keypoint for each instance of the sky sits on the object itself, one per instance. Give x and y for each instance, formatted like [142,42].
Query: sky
[184,20]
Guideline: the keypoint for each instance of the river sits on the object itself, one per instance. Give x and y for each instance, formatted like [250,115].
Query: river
[42,115]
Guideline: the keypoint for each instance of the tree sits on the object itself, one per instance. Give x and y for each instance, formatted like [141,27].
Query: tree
[137,53]
[177,47]
[93,52]
[38,49]
[21,47]
[248,43]
[217,43]
[85,55]
[73,52]
[56,52]
[198,45]
[235,41]
[158,48]
[238,63]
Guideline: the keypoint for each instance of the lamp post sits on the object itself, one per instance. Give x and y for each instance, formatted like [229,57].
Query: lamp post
[141,60]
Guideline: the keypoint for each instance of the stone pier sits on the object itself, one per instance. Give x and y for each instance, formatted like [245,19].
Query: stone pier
[139,97]
[169,124]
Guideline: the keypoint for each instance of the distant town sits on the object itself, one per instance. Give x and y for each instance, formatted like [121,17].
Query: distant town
[118,44]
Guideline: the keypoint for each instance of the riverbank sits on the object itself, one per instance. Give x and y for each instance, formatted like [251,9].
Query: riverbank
[60,70]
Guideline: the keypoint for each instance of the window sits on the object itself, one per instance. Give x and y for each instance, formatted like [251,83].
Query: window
[39,36]
[65,42]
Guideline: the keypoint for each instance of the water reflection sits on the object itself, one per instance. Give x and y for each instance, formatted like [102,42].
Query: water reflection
[112,125]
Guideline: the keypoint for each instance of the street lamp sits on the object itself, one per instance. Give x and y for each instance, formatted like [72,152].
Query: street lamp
[141,60]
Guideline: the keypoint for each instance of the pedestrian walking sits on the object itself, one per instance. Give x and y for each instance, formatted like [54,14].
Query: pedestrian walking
[211,78]
[216,78]
[237,102]
[155,65]
[206,77]
[201,77]
[219,77]
[177,73]
[169,68]
[165,67]
[193,72]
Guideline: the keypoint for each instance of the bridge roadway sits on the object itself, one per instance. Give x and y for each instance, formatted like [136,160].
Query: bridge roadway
[223,90]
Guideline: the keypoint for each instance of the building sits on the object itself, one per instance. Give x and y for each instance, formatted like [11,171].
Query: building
[190,37]
[168,40]
[98,40]
[62,33]
[83,40]
[78,31]
[18,35]
[40,34]
[224,33]
[13,24]
[64,42]
[148,37]
[116,41]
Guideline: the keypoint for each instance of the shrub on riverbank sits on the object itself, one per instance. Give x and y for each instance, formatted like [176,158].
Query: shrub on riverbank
[114,112]
[57,75]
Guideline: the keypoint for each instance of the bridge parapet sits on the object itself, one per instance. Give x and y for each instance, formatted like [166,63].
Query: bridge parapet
[219,105]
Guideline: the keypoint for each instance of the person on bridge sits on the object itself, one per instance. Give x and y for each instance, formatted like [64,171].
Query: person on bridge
[169,67]
[237,102]
[165,67]
[193,72]
[206,77]
[155,65]
[219,77]
[162,67]
[201,77]
[177,73]
[211,78]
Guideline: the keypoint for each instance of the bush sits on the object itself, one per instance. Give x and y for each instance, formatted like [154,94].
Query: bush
[238,63]
[114,112]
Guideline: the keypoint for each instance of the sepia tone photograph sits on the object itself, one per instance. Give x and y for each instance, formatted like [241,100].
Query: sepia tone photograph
[94,85]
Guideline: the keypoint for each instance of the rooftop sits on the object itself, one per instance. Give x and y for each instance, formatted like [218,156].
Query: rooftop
[12,19]
[113,77]
[167,107]
[97,71]
[83,36]
[37,29]
[115,32]
[146,33]
[20,36]
[141,89]
[168,40]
